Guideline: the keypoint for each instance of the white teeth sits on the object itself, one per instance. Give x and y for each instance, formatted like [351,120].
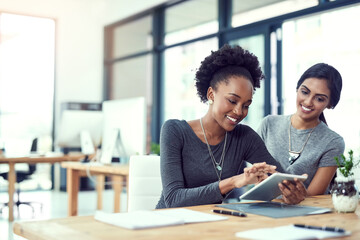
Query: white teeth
[305,108]
[232,119]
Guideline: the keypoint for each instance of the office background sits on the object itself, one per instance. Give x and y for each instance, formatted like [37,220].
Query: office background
[111,49]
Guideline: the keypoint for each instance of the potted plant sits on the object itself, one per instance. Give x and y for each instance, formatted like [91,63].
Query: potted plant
[155,148]
[345,195]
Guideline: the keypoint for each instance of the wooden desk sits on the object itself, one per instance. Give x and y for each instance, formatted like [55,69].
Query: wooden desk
[12,173]
[118,172]
[85,227]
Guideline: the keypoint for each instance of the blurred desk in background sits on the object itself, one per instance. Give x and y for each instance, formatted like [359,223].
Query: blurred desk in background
[119,174]
[31,159]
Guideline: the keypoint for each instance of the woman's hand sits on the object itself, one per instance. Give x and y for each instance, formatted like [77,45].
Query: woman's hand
[257,172]
[293,192]
[254,174]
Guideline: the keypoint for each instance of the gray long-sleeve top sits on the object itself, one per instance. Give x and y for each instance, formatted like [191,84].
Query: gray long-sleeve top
[187,172]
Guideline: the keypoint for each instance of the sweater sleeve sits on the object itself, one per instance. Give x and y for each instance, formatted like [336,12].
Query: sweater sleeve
[257,151]
[175,192]
[334,148]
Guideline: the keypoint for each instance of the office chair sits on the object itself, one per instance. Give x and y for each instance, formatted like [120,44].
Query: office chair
[144,182]
[22,175]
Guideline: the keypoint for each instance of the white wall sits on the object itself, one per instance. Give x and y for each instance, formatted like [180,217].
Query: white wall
[79,43]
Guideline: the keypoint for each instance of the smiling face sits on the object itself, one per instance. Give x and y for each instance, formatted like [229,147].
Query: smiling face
[313,96]
[231,101]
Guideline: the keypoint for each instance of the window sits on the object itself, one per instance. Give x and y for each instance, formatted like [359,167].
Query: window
[181,100]
[27,53]
[132,37]
[249,11]
[255,44]
[184,21]
[132,78]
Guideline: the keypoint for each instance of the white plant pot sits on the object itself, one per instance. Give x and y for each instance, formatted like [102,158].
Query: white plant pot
[345,195]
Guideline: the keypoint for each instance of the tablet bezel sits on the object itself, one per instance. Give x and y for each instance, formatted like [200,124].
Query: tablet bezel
[268,189]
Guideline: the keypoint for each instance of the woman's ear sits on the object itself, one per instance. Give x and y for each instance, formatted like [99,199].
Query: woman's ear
[210,94]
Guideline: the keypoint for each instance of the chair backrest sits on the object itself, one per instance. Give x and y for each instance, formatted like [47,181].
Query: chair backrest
[144,182]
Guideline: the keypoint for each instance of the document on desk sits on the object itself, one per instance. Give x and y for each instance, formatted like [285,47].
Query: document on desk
[151,219]
[289,232]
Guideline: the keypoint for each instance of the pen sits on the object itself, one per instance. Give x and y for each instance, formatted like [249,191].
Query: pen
[238,214]
[331,229]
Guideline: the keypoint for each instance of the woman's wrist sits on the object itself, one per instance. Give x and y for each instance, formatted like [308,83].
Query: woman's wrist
[229,184]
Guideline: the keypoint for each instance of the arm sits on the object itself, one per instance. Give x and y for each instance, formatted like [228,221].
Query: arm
[295,193]
[321,180]
[257,151]
[327,167]
[254,174]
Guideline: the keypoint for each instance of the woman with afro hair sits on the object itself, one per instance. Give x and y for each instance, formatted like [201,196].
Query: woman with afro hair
[202,159]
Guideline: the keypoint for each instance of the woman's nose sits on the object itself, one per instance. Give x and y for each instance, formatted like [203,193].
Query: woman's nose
[308,101]
[238,110]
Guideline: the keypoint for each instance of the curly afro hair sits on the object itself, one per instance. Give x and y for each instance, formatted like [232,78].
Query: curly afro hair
[224,63]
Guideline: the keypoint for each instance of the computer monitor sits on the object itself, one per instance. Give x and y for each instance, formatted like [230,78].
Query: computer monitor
[80,129]
[124,129]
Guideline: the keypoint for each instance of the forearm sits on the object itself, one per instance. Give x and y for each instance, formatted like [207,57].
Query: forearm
[229,184]
[321,181]
[181,196]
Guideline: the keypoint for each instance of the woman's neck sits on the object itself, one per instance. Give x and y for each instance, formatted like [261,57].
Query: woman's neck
[214,132]
[300,123]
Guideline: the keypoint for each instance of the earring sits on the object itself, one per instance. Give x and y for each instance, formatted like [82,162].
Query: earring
[210,101]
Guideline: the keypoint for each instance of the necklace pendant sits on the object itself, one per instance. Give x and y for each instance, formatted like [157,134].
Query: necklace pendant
[293,157]
[218,167]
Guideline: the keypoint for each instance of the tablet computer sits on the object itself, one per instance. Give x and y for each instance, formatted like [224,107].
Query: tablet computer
[268,189]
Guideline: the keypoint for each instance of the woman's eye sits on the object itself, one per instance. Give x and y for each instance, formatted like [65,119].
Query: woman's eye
[231,101]
[320,99]
[304,92]
[247,107]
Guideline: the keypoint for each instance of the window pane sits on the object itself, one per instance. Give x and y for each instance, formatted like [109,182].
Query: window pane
[323,38]
[249,11]
[185,21]
[133,37]
[255,44]
[181,100]
[132,78]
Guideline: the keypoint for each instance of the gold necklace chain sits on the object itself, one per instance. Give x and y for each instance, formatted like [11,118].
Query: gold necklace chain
[217,165]
[293,154]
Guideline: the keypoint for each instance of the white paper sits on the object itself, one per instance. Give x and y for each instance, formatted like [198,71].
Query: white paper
[190,216]
[137,219]
[151,219]
[288,232]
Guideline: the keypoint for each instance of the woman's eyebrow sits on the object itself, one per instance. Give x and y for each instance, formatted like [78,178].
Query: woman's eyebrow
[235,95]
[318,94]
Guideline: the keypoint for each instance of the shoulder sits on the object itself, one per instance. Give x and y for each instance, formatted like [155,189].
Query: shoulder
[329,135]
[276,119]
[243,131]
[273,122]
[174,125]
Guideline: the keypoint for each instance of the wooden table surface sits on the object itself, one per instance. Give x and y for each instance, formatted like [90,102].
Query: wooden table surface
[31,160]
[85,227]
